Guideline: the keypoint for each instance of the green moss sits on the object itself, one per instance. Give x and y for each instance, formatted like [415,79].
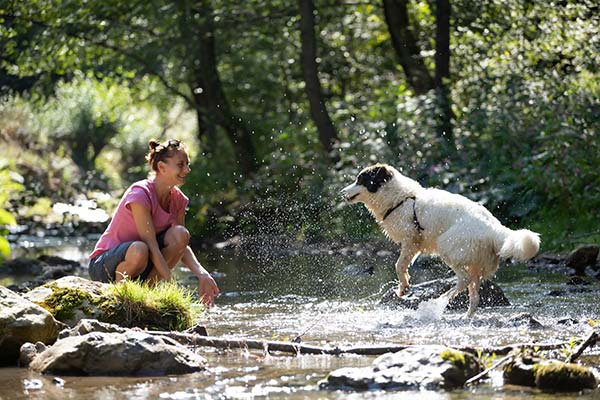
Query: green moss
[63,301]
[455,357]
[563,377]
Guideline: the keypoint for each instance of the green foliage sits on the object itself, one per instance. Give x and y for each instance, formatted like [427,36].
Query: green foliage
[524,88]
[9,186]
[454,357]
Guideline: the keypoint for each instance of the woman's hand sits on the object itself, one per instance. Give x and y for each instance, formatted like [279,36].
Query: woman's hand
[208,289]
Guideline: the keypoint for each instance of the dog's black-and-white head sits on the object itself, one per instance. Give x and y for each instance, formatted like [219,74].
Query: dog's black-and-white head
[369,181]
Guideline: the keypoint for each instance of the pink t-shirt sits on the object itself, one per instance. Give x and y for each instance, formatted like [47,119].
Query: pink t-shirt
[122,226]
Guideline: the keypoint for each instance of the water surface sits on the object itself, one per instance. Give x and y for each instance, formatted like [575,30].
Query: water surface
[327,299]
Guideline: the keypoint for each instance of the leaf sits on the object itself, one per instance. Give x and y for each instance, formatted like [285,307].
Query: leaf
[4,247]
[6,218]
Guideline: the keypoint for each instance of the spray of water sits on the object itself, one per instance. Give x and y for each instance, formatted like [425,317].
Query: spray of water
[431,310]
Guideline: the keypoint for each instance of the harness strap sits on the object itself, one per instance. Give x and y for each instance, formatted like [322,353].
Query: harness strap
[415,219]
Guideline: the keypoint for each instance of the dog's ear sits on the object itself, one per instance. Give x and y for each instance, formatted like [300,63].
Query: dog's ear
[373,178]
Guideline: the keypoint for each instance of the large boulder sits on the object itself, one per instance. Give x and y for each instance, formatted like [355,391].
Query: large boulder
[22,321]
[490,295]
[131,353]
[71,298]
[414,368]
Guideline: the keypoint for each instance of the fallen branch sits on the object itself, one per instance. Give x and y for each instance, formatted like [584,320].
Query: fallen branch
[193,339]
[271,345]
[503,350]
[483,374]
[590,341]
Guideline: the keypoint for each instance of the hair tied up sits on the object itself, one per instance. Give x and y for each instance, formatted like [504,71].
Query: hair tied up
[153,144]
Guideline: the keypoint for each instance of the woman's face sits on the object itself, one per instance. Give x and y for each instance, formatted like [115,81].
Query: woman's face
[176,168]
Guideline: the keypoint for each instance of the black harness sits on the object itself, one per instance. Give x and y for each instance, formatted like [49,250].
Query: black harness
[415,219]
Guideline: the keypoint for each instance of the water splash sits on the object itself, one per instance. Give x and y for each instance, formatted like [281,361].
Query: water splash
[431,310]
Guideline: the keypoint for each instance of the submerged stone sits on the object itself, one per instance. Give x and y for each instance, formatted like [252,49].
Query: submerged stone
[491,295]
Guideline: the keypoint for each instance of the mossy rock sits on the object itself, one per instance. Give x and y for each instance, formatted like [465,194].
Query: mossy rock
[520,371]
[71,299]
[548,375]
[466,365]
[128,304]
[556,376]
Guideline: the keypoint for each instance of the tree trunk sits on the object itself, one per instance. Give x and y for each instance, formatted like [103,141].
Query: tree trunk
[318,110]
[442,75]
[405,44]
[212,108]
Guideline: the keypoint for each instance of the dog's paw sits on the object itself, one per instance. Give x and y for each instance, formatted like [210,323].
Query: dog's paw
[401,291]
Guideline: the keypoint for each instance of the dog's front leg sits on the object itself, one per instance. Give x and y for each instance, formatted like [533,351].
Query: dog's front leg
[407,257]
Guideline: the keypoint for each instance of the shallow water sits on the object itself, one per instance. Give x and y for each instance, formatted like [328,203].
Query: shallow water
[327,299]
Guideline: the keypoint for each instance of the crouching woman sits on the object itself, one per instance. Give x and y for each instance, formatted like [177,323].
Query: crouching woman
[146,237]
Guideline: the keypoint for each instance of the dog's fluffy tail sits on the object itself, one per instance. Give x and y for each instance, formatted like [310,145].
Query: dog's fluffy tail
[520,245]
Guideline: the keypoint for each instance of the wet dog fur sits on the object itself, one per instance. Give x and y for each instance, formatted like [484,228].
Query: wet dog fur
[463,233]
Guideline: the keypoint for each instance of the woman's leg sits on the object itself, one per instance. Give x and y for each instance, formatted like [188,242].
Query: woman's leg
[136,260]
[177,239]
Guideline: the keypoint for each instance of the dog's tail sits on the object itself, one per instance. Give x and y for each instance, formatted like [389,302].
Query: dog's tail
[520,245]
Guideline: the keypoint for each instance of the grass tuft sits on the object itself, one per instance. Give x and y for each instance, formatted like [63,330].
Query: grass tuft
[166,306]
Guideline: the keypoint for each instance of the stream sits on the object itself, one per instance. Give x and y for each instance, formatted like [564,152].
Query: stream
[326,299]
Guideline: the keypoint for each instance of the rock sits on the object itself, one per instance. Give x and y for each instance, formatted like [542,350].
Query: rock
[578,280]
[548,375]
[490,295]
[582,257]
[358,270]
[86,326]
[58,261]
[519,371]
[42,270]
[556,376]
[24,266]
[132,353]
[526,319]
[71,298]
[29,351]
[414,368]
[22,321]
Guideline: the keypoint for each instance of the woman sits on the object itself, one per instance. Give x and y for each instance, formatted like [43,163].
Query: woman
[147,237]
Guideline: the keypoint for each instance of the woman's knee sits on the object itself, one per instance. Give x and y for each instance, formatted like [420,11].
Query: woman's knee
[177,236]
[137,253]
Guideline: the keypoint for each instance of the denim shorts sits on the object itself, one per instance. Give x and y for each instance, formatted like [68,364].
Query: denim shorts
[103,267]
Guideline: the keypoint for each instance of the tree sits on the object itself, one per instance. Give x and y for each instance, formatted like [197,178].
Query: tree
[127,41]
[318,109]
[442,75]
[212,107]
[404,40]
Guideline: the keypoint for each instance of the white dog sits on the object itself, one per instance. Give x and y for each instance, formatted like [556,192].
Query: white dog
[431,221]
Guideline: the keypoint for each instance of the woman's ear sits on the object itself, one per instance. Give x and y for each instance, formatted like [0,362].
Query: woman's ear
[160,166]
